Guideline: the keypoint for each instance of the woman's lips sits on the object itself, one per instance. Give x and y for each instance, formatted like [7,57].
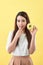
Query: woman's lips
[21,26]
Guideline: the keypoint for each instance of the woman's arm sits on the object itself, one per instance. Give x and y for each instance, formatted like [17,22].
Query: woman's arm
[12,45]
[32,45]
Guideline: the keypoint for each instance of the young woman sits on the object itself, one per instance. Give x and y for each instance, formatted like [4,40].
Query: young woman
[21,41]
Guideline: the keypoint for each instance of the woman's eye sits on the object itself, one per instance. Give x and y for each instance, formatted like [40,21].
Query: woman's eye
[23,20]
[18,20]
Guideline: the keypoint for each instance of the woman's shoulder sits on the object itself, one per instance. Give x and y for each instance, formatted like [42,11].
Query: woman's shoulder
[11,32]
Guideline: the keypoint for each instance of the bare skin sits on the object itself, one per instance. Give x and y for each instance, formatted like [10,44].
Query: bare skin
[32,44]
[13,43]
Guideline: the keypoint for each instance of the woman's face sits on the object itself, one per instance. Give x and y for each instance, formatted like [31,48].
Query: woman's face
[21,22]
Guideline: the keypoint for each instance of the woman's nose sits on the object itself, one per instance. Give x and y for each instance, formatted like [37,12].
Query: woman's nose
[20,22]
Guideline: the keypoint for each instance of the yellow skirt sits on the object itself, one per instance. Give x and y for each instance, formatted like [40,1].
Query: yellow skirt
[20,60]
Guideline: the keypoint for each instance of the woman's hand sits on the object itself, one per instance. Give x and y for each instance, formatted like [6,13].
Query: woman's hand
[34,30]
[19,32]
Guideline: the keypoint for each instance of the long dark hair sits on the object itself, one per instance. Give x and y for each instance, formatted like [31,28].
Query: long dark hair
[28,34]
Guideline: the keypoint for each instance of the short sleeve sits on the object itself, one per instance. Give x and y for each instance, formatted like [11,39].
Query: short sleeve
[9,39]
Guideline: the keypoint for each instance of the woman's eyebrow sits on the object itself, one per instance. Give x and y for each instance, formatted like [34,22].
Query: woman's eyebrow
[18,20]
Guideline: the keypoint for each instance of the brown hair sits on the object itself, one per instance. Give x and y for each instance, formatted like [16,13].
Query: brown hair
[28,34]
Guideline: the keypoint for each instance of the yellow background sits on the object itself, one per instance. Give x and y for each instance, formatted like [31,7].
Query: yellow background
[8,11]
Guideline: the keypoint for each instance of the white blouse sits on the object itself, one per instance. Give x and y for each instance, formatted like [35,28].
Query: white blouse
[22,47]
